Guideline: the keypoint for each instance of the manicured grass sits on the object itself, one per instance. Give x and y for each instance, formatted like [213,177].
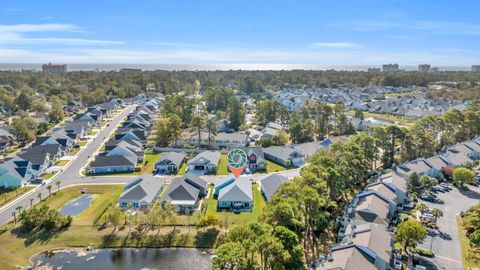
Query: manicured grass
[273,167]
[8,194]
[232,219]
[47,176]
[149,162]
[74,151]
[62,162]
[222,165]
[18,249]
[468,252]
[147,167]
[83,143]
[182,169]
[93,133]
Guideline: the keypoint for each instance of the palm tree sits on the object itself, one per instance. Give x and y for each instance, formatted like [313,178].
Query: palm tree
[39,196]
[49,188]
[198,123]
[57,183]
[436,213]
[14,214]
[422,207]
[212,130]
[31,202]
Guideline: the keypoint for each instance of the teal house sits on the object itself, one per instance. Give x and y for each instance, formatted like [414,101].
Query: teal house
[237,195]
[222,185]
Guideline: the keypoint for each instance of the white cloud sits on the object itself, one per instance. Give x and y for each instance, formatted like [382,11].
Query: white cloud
[336,45]
[18,34]
[240,56]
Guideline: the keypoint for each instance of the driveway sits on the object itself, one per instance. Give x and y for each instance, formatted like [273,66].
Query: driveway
[445,242]
[69,175]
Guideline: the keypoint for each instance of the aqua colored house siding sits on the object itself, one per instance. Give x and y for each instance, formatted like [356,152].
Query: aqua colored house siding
[222,185]
[229,204]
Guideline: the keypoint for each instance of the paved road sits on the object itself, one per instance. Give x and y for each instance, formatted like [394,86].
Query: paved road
[445,242]
[69,175]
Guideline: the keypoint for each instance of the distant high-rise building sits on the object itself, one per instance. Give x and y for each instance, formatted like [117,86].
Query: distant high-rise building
[434,69]
[54,68]
[476,68]
[373,70]
[390,68]
[424,68]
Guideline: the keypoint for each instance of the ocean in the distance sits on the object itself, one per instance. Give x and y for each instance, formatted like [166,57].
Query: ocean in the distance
[193,67]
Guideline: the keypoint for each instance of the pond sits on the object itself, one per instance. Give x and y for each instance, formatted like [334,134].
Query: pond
[76,206]
[125,258]
[377,121]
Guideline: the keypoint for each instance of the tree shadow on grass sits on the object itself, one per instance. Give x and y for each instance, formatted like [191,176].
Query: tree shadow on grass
[108,240]
[207,239]
[40,236]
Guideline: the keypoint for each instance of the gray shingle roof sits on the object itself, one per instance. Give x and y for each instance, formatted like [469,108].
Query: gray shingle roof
[283,152]
[206,157]
[272,183]
[171,158]
[110,161]
[145,190]
[238,190]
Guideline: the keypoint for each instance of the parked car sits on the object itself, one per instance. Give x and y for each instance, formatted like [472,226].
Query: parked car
[445,185]
[438,188]
[38,181]
[427,197]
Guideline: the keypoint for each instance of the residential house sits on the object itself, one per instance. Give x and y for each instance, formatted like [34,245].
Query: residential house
[141,192]
[397,183]
[366,246]
[270,184]
[111,164]
[309,148]
[7,139]
[255,159]
[42,156]
[170,162]
[16,172]
[284,155]
[136,157]
[370,207]
[418,166]
[236,196]
[206,161]
[437,163]
[185,192]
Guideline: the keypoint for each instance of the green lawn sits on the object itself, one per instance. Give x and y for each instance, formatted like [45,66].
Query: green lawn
[8,194]
[148,166]
[47,176]
[273,167]
[83,143]
[222,165]
[82,233]
[182,169]
[149,162]
[93,133]
[470,255]
[233,219]
[62,162]
[73,151]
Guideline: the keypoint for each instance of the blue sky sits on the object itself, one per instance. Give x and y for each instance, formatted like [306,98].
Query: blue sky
[367,32]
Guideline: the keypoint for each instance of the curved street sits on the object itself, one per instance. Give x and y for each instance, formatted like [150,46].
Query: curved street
[70,174]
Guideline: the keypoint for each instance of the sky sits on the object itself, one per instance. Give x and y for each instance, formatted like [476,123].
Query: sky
[330,32]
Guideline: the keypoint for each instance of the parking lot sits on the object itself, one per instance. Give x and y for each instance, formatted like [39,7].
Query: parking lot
[445,242]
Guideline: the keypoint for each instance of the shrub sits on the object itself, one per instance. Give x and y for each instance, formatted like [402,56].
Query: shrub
[424,252]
